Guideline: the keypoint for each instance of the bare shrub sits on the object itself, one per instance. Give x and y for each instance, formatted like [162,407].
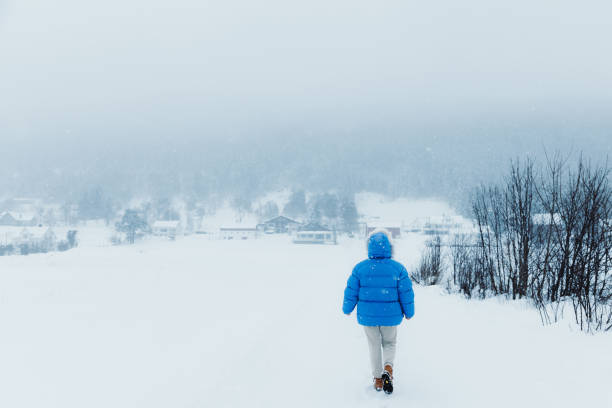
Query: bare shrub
[466,267]
[547,238]
[430,269]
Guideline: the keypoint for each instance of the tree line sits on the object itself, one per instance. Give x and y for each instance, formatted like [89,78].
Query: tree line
[337,211]
[27,244]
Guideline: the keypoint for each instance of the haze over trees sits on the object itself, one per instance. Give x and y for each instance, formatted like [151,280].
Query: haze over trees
[372,100]
[205,171]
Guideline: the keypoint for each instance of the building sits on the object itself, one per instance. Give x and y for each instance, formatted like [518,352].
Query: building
[25,205]
[546,219]
[279,225]
[545,222]
[168,229]
[396,232]
[314,234]
[238,233]
[15,219]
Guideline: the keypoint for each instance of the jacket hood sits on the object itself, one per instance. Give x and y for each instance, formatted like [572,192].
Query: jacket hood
[379,246]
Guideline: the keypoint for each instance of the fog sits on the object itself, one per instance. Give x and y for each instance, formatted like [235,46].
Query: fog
[238,98]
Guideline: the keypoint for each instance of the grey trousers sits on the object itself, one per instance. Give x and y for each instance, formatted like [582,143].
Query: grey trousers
[385,338]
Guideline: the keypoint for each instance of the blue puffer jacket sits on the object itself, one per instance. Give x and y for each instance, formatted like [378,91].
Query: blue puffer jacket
[380,287]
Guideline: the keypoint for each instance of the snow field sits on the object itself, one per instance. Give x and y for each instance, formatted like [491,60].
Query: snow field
[201,323]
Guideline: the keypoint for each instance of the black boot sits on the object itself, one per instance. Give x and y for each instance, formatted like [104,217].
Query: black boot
[387,379]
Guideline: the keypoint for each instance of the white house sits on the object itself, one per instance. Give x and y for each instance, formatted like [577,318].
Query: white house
[238,233]
[168,229]
[546,219]
[314,234]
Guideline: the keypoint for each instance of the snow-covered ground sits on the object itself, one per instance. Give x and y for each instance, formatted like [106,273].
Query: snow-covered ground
[204,323]
[400,209]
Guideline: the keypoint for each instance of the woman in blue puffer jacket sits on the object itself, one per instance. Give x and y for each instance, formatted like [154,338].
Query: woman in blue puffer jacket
[382,291]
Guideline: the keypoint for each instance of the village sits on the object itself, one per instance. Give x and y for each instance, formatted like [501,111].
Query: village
[29,225]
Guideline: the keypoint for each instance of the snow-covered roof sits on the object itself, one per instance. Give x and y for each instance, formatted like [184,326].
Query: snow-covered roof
[19,216]
[384,224]
[313,227]
[166,224]
[281,219]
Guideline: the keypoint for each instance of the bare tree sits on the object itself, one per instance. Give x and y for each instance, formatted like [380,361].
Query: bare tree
[429,271]
[547,238]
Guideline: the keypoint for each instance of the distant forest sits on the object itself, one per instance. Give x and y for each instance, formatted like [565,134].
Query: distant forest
[425,162]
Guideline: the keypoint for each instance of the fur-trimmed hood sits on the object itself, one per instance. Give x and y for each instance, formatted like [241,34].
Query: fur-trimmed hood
[379,244]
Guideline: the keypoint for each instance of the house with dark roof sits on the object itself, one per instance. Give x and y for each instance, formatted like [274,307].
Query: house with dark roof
[168,229]
[279,225]
[11,218]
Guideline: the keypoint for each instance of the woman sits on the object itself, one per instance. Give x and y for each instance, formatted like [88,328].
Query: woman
[382,291]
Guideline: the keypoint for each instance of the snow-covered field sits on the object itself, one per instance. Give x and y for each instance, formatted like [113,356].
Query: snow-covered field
[204,323]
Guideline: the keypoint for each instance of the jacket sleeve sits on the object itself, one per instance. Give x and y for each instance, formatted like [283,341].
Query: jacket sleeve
[406,295]
[351,293]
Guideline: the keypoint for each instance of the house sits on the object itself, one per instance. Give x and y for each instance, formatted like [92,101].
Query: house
[313,233]
[415,227]
[21,205]
[15,219]
[546,219]
[396,232]
[545,222]
[435,225]
[279,225]
[7,219]
[435,228]
[440,225]
[238,233]
[168,229]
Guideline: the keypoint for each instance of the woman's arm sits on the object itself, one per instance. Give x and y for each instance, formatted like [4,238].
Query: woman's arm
[406,294]
[351,293]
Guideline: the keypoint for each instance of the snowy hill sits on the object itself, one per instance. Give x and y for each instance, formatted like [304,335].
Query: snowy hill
[201,323]
[400,209]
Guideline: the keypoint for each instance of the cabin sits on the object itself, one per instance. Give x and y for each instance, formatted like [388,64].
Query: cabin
[396,232]
[241,233]
[544,222]
[168,229]
[279,225]
[314,234]
[434,228]
[438,225]
[546,219]
[14,219]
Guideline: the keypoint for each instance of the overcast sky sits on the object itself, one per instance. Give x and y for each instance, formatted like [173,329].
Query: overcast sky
[85,69]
